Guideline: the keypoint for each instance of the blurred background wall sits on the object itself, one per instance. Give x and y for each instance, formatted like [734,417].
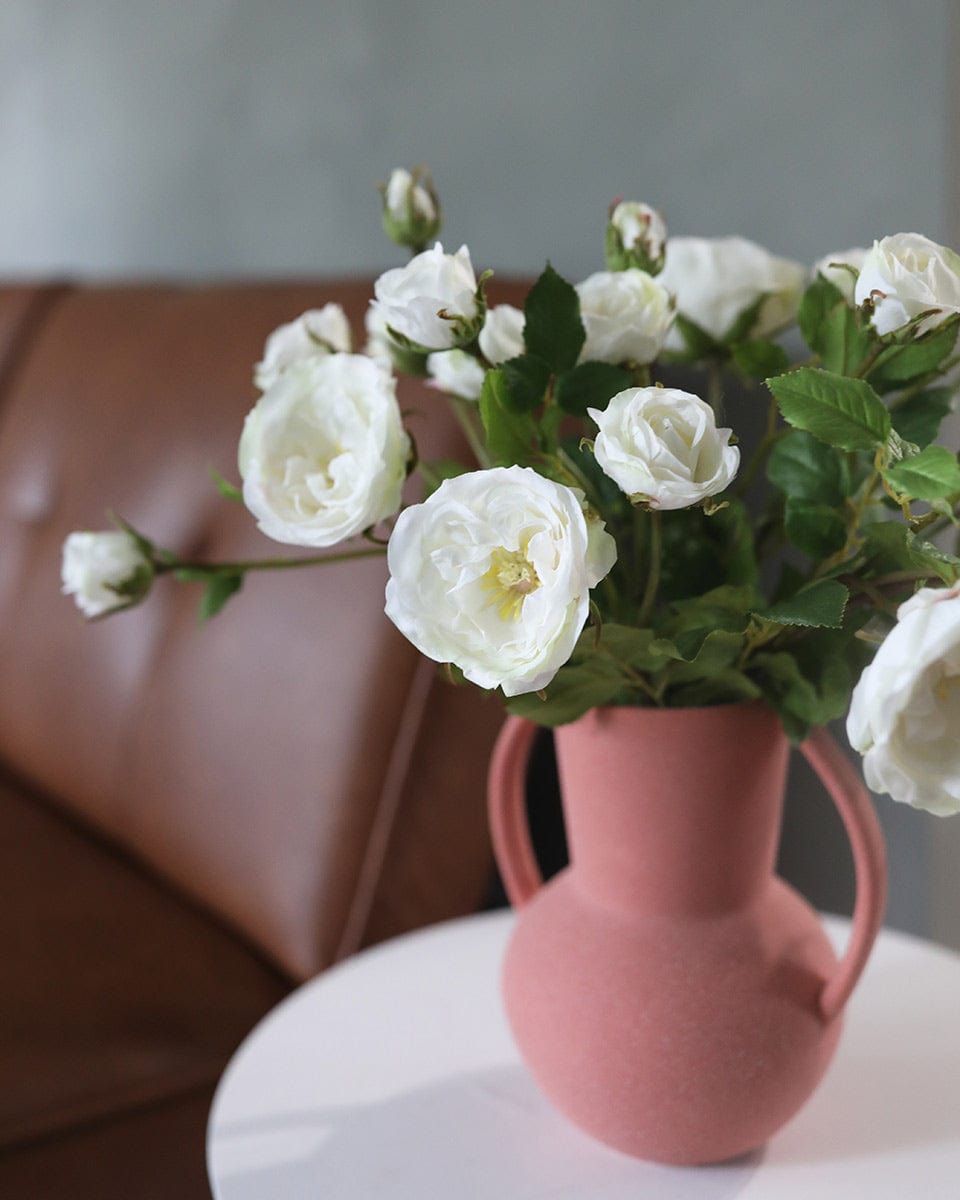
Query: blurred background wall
[244,137]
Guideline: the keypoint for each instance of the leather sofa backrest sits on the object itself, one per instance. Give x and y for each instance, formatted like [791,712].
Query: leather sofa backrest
[294,766]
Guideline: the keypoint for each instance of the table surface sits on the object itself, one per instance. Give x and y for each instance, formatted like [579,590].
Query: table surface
[394,1076]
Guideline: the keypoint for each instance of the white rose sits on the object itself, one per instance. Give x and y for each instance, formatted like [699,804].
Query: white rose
[501,337]
[905,710]
[641,231]
[905,275]
[315,334]
[378,340]
[323,452]
[626,315]
[833,268]
[104,571]
[493,573]
[715,279]
[663,447]
[404,195]
[456,372]
[432,300]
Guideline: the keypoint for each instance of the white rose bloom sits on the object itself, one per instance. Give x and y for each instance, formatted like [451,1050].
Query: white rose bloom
[837,274]
[95,565]
[640,228]
[907,274]
[430,299]
[456,372]
[402,192]
[905,711]
[493,573]
[626,315]
[378,340]
[501,337]
[315,334]
[662,446]
[323,452]
[715,279]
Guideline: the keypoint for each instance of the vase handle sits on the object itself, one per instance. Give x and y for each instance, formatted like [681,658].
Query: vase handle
[869,860]
[506,799]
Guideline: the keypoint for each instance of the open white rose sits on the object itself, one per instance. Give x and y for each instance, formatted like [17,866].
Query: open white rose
[104,571]
[323,452]
[626,315]
[905,711]
[501,337]
[662,446]
[315,334]
[833,268]
[432,300]
[456,372]
[715,279]
[907,274]
[493,573]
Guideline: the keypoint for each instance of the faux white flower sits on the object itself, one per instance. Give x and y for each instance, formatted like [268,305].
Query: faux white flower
[456,372]
[432,300]
[493,573]
[837,274]
[715,279]
[315,334]
[323,452]
[626,315]
[662,446]
[905,711]
[378,340]
[501,337]
[905,275]
[404,195]
[641,231]
[104,571]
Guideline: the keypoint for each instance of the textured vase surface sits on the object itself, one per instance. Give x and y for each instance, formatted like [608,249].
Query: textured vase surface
[669,993]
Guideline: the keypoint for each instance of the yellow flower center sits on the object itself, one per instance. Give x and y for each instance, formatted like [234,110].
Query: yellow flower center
[511,577]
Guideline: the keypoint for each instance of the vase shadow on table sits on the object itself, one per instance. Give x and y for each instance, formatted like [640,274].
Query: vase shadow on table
[478,1135]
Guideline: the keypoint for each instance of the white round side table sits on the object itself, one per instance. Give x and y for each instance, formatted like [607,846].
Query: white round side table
[393,1077]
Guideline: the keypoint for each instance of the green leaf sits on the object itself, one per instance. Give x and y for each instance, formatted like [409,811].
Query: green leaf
[838,332]
[846,413]
[889,547]
[574,690]
[821,604]
[900,363]
[218,591]
[760,359]
[228,490]
[816,306]
[525,380]
[639,649]
[728,686]
[816,529]
[552,329]
[697,342]
[806,468]
[590,385]
[745,320]
[717,650]
[918,418]
[929,475]
[510,435]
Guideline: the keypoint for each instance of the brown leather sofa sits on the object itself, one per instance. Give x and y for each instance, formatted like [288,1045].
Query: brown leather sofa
[192,820]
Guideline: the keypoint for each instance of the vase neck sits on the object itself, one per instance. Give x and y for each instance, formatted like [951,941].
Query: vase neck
[673,810]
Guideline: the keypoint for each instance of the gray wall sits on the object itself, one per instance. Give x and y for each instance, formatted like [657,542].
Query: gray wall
[226,137]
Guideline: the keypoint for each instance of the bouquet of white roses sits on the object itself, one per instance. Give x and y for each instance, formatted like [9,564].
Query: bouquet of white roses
[601,551]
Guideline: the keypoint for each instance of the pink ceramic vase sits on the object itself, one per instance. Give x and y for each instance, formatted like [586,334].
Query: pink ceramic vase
[669,992]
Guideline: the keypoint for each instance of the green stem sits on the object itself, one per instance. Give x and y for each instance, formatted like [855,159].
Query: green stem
[162,566]
[466,414]
[714,385]
[653,570]
[762,452]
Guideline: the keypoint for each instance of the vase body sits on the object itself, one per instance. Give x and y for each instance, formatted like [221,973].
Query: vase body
[666,989]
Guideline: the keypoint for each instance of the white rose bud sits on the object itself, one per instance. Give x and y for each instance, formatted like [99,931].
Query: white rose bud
[501,337]
[626,315]
[455,372]
[636,237]
[432,301]
[315,334]
[906,275]
[104,571]
[905,710]
[715,280]
[411,211]
[493,573]
[833,267]
[323,452]
[661,446]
